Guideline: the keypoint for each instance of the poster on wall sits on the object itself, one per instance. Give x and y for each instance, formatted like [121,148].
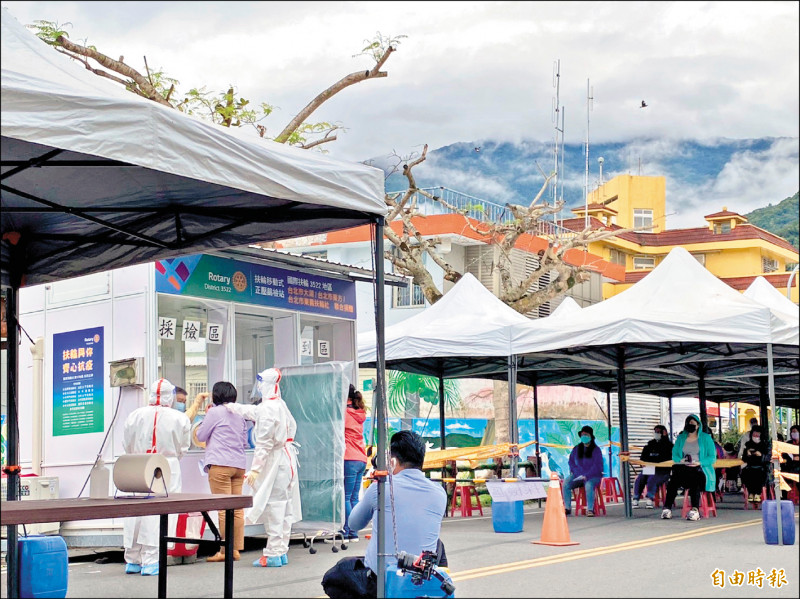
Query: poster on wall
[78,396]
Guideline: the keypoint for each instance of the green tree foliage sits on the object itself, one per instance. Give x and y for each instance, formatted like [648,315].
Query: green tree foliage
[782,220]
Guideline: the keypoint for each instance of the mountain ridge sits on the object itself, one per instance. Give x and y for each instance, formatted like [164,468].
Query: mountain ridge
[702,176]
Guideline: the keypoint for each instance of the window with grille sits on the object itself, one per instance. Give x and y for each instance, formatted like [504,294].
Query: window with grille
[722,228]
[195,388]
[643,262]
[642,218]
[408,296]
[617,257]
[701,258]
[768,264]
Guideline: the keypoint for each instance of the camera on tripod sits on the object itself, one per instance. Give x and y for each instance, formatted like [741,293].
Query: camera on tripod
[423,568]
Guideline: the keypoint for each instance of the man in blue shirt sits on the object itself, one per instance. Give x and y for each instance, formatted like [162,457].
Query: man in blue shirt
[419,506]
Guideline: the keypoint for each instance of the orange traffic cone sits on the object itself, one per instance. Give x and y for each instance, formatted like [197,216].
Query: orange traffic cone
[554,528]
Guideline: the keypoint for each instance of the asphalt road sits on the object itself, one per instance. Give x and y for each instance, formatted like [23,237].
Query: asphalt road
[616,557]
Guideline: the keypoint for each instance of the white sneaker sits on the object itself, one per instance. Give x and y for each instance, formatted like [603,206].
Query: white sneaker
[635,503]
[693,514]
[666,514]
[649,504]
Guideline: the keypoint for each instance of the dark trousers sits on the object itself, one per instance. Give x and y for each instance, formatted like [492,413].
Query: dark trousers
[691,479]
[753,478]
[651,481]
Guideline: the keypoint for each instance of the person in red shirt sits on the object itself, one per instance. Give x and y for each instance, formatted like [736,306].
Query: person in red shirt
[355,456]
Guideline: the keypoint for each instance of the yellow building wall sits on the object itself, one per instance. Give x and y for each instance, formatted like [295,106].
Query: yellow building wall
[631,192]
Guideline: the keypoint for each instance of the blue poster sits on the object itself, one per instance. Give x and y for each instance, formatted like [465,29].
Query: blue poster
[78,397]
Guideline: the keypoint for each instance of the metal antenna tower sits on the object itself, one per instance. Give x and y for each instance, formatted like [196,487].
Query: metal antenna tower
[558,130]
[589,99]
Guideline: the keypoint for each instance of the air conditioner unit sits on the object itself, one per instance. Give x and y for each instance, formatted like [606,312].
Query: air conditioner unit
[125,373]
[36,487]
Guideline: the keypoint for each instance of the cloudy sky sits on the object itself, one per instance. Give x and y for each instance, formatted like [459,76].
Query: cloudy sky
[470,71]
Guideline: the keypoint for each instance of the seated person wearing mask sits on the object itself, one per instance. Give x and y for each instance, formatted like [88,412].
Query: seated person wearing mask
[419,506]
[585,468]
[694,455]
[658,449]
[756,458]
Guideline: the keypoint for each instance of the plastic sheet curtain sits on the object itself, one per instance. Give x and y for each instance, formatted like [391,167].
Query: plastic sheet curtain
[316,395]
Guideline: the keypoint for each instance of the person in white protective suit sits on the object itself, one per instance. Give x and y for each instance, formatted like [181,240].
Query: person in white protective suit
[154,428]
[273,473]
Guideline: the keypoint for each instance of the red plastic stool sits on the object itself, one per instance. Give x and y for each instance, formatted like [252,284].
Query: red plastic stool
[793,494]
[466,492]
[661,495]
[707,504]
[579,494]
[766,493]
[611,489]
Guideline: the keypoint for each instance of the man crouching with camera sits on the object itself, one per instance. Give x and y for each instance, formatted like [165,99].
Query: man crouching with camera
[419,506]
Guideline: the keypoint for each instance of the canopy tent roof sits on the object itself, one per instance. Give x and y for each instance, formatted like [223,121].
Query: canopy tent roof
[761,291]
[467,332]
[96,177]
[679,302]
[677,325]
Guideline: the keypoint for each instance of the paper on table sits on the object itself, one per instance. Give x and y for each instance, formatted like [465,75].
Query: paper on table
[648,470]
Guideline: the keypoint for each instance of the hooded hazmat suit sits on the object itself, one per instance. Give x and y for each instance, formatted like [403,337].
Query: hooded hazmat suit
[273,473]
[154,428]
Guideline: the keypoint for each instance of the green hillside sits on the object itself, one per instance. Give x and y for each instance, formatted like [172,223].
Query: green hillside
[781,220]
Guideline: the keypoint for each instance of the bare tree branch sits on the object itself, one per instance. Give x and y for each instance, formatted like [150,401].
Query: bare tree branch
[334,89]
[118,67]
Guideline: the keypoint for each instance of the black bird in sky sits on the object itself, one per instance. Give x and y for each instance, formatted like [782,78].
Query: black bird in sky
[644,104]
[478,149]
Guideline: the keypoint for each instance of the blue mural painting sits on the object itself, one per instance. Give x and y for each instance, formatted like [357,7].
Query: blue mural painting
[468,432]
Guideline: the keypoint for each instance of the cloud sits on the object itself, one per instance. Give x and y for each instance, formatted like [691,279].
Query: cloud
[481,71]
[749,180]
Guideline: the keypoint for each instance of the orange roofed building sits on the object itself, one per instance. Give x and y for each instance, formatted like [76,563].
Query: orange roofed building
[727,245]
[464,249]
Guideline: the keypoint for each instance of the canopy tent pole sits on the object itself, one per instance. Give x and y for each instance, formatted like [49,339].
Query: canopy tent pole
[608,416]
[701,394]
[763,399]
[623,429]
[512,410]
[719,420]
[12,367]
[442,439]
[380,407]
[774,436]
[669,400]
[536,429]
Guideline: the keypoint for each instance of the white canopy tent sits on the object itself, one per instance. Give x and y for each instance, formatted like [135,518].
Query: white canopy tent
[95,178]
[467,333]
[469,321]
[761,291]
[679,323]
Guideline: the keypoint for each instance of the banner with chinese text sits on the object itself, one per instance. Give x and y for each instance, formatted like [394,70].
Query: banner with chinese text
[78,396]
[234,280]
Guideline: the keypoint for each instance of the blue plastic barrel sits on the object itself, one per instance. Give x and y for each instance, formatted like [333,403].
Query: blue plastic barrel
[43,566]
[507,516]
[769,520]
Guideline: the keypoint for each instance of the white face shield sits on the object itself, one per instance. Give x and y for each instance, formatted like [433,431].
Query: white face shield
[162,393]
[267,382]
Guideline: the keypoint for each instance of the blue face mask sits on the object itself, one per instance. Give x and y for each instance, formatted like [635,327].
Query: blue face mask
[180,406]
[585,439]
